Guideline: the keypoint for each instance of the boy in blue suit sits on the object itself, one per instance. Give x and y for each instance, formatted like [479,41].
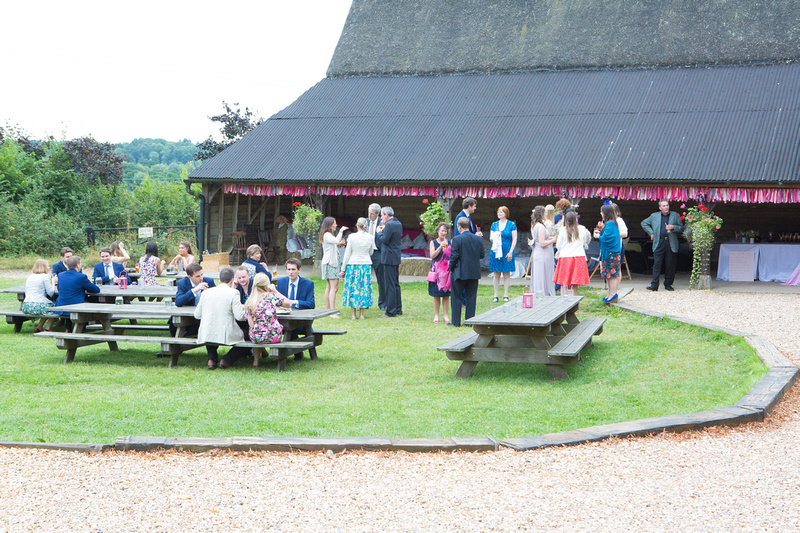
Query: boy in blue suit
[299,291]
[106,269]
[58,268]
[72,286]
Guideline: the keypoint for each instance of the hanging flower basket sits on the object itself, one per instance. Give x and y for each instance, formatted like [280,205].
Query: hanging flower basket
[432,217]
[700,227]
[306,220]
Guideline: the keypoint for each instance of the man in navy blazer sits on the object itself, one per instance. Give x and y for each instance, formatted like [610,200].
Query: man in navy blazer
[188,294]
[389,239]
[466,252]
[299,291]
[59,267]
[72,286]
[107,269]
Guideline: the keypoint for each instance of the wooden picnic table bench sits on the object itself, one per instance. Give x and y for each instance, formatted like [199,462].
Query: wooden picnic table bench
[549,333]
[102,315]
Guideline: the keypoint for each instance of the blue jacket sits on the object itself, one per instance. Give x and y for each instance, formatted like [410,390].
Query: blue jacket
[100,271]
[305,292]
[72,287]
[58,268]
[463,214]
[184,294]
[610,241]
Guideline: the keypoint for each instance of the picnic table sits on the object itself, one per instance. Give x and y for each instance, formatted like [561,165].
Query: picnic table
[104,314]
[548,333]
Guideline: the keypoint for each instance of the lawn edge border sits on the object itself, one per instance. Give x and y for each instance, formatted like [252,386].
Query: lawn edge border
[752,407]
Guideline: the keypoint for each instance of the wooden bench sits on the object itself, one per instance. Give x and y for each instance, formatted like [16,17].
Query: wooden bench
[122,328]
[172,346]
[18,318]
[578,338]
[461,344]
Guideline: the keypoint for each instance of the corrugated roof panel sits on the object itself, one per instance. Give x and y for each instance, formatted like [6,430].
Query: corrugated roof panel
[702,125]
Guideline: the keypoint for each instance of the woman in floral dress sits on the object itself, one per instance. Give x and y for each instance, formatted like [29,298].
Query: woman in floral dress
[150,265]
[261,311]
[357,270]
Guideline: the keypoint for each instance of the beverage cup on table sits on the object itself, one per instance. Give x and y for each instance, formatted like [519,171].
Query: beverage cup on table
[98,281]
[275,270]
[538,296]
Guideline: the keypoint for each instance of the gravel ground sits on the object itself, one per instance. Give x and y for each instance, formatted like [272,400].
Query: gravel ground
[745,478]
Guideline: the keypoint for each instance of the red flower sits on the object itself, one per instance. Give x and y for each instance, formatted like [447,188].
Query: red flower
[424,200]
[296,204]
[681,217]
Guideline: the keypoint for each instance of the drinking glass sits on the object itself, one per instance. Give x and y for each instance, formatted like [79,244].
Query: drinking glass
[539,296]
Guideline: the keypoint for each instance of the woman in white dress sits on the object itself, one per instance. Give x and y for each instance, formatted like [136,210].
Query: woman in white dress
[330,259]
[543,260]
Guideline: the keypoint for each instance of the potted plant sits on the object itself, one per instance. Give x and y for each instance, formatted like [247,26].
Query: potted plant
[432,216]
[700,227]
[306,220]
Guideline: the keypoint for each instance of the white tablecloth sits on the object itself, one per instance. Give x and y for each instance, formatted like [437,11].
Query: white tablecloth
[773,262]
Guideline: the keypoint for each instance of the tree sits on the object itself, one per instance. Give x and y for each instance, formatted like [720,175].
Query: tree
[235,125]
[96,161]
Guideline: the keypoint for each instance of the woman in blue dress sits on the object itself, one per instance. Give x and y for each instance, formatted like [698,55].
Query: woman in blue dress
[501,258]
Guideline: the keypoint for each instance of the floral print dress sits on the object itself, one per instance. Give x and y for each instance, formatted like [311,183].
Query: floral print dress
[265,329]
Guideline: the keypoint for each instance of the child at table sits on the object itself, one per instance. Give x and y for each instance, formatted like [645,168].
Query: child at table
[261,311]
[38,289]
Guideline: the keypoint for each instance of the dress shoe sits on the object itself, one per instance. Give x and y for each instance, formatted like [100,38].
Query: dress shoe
[669,287]
[386,316]
[651,288]
[454,325]
[212,365]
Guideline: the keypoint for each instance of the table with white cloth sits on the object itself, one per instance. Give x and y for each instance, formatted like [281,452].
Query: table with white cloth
[771,261]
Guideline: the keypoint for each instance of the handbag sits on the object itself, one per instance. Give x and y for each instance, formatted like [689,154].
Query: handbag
[431,277]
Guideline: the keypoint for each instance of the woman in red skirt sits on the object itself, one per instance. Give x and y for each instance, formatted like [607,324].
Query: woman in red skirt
[571,269]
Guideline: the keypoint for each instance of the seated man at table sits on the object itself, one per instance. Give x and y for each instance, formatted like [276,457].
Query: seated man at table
[188,293]
[244,284]
[465,265]
[299,291]
[107,269]
[59,267]
[72,286]
[218,311]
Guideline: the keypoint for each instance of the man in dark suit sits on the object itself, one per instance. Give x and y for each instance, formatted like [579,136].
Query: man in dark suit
[190,289]
[389,237]
[663,228]
[72,286]
[106,269]
[374,214]
[465,266]
[299,291]
[59,267]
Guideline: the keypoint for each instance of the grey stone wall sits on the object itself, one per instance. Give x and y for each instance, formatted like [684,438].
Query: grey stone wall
[401,37]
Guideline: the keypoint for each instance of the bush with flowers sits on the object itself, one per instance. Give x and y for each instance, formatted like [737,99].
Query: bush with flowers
[432,217]
[700,227]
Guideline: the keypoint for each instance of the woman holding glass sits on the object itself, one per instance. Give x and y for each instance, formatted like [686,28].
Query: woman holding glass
[439,290]
[571,269]
[330,241]
[501,258]
[357,270]
[610,248]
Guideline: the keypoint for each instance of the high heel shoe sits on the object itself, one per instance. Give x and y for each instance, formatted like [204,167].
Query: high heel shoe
[495,300]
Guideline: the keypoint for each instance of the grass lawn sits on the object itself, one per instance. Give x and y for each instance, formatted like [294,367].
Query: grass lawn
[384,378]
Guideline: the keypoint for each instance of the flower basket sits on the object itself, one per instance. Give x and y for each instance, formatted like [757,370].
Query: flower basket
[700,227]
[306,220]
[432,217]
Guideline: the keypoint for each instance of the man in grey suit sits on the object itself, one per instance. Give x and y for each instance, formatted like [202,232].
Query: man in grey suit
[663,228]
[465,267]
[374,214]
[389,239]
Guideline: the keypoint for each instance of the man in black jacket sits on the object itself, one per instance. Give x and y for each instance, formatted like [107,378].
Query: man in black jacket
[465,266]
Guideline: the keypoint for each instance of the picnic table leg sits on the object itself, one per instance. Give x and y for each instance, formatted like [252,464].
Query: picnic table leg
[112,345]
[71,346]
[18,321]
[466,368]
[557,372]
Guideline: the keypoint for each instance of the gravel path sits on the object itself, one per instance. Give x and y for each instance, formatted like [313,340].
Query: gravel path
[745,478]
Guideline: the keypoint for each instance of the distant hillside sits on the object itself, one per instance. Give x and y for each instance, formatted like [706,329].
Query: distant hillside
[387,37]
[154,151]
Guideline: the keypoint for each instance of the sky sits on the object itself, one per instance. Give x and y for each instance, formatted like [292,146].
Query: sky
[123,70]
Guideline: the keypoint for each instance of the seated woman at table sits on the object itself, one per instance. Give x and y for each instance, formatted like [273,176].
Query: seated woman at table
[184,257]
[118,253]
[38,289]
[72,286]
[253,262]
[261,312]
[150,265]
[571,269]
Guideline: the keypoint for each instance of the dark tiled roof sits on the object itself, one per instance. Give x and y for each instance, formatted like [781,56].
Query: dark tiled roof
[738,125]
[443,36]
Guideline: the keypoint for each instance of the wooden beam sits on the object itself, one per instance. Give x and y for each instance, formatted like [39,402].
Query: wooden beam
[235,226]
[221,221]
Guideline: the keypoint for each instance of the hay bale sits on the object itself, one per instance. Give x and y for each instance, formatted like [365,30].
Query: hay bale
[415,266]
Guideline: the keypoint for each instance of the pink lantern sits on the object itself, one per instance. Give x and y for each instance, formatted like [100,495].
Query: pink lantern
[123,280]
[527,300]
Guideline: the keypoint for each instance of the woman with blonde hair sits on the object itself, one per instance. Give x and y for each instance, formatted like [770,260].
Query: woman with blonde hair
[38,288]
[357,270]
[261,310]
[330,259]
[543,256]
[549,217]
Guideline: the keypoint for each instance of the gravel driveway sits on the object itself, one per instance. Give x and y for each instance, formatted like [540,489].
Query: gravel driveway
[719,479]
